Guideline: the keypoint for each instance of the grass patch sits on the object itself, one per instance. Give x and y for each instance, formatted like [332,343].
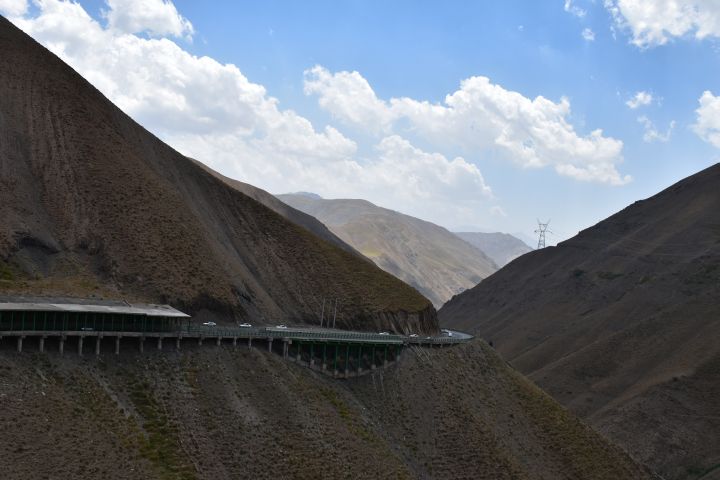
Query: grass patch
[159,443]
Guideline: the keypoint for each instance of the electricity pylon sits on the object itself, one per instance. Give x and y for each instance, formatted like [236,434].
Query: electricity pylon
[542,228]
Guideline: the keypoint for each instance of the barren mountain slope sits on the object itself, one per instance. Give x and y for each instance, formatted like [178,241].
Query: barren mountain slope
[503,248]
[219,413]
[621,324]
[425,255]
[91,203]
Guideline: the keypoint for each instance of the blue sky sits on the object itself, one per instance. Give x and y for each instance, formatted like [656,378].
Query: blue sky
[587,58]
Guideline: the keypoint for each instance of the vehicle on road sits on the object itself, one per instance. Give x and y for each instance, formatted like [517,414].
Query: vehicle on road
[446,332]
[245,325]
[280,326]
[87,329]
[209,324]
[384,333]
[413,335]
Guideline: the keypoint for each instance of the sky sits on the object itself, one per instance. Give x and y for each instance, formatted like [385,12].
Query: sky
[479,116]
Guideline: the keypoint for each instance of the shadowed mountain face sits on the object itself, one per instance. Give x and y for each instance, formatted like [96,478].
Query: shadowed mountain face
[425,255]
[502,248]
[93,204]
[222,413]
[620,323]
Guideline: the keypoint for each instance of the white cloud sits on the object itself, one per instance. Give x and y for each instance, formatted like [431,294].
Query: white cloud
[478,117]
[655,22]
[651,132]
[212,112]
[13,8]
[574,9]
[707,125]
[156,17]
[588,35]
[641,99]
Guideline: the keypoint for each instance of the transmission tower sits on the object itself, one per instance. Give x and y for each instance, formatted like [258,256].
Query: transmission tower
[542,228]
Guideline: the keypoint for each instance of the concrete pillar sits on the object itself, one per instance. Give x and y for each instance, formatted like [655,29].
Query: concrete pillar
[249,342]
[234,341]
[270,340]
[298,357]
[177,343]
[42,343]
[142,344]
[117,345]
[19,343]
[160,343]
[285,349]
[80,344]
[97,345]
[62,344]
[219,339]
[200,339]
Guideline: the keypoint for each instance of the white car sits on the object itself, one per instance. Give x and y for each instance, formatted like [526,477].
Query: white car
[413,335]
[447,332]
[281,326]
[209,324]
[384,333]
[245,325]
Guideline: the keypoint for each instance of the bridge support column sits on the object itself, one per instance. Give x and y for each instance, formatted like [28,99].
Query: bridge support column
[298,357]
[219,339]
[200,339]
[249,342]
[159,345]
[234,341]
[80,344]
[385,357]
[62,344]
[312,358]
[359,366]
[269,340]
[177,343]
[97,345]
[285,349]
[142,343]
[117,345]
[42,343]
[347,360]
[19,343]
[372,359]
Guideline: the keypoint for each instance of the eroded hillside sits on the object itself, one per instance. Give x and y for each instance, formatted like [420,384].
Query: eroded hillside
[94,205]
[223,412]
[620,324]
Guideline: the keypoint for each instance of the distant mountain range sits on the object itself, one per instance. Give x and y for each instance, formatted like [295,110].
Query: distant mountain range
[429,257]
[622,324]
[501,247]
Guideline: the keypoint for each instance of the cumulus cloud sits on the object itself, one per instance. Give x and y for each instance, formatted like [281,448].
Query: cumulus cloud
[651,132]
[588,35]
[641,99]
[480,116]
[574,9]
[707,124]
[655,22]
[156,17]
[13,8]
[212,112]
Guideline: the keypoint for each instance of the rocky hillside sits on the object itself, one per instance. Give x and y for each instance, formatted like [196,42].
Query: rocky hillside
[502,248]
[423,254]
[218,412]
[93,204]
[620,324]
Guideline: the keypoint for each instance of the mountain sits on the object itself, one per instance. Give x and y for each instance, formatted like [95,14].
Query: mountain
[222,412]
[620,324]
[423,254]
[502,248]
[91,204]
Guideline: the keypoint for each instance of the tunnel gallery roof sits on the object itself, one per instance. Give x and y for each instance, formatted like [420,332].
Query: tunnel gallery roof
[149,310]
